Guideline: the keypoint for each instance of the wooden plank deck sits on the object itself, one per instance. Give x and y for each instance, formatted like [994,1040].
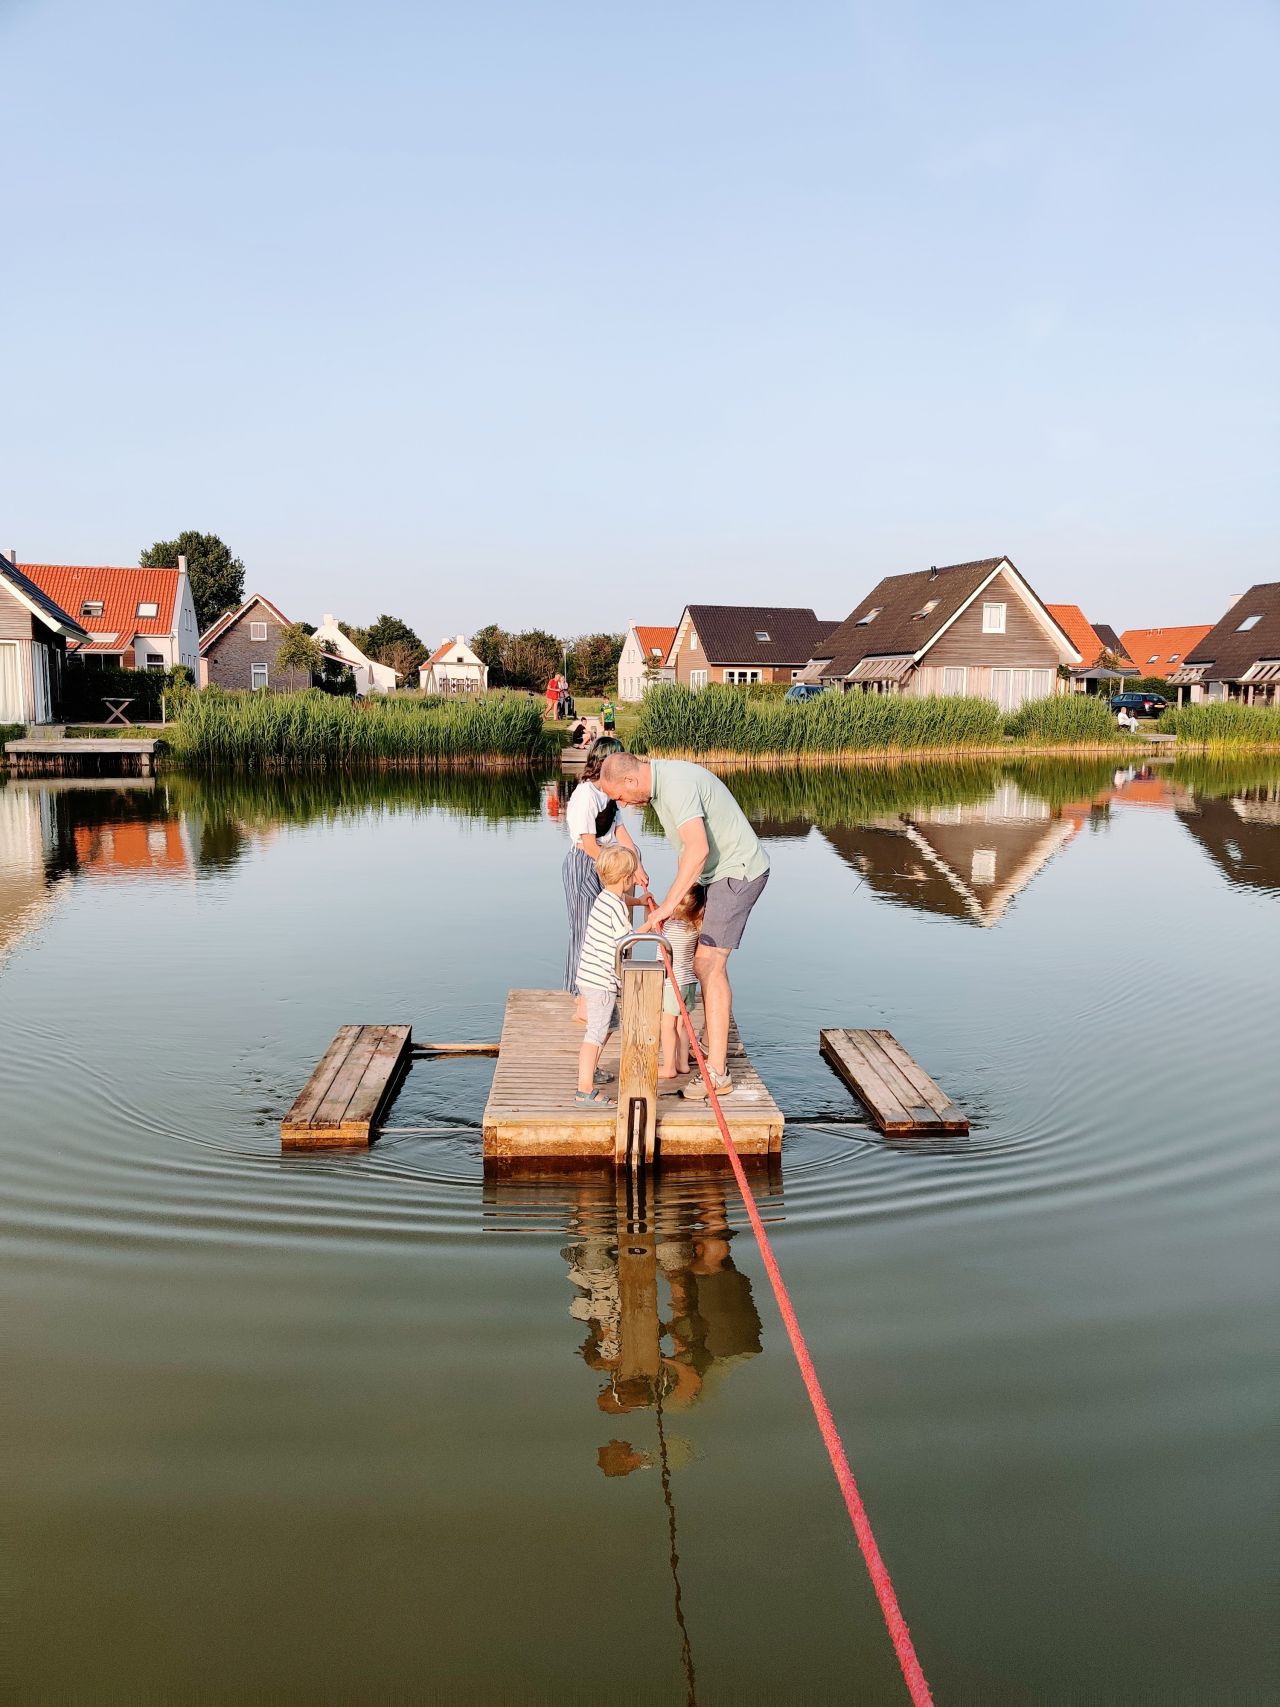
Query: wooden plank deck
[531,1111]
[344,1099]
[899,1095]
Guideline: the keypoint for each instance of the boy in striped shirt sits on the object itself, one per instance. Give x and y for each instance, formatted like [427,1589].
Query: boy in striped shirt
[597,972]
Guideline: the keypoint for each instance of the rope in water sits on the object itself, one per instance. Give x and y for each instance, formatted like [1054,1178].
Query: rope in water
[876,1567]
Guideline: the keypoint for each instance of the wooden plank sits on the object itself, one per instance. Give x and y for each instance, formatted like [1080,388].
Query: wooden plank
[949,1115]
[639,1044]
[849,1059]
[902,1090]
[312,1093]
[333,1104]
[451,1049]
[379,1080]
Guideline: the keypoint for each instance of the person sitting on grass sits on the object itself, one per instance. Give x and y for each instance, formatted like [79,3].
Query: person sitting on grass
[598,982]
[681,931]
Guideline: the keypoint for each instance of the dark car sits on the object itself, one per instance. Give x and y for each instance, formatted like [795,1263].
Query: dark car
[1140,704]
[798,692]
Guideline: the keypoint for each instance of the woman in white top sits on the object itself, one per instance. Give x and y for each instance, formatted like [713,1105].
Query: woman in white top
[592,820]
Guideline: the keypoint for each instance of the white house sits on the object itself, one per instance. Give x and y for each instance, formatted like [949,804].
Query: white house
[644,660]
[370,677]
[453,668]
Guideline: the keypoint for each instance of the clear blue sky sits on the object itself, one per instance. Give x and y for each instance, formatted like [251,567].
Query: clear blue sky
[567,313]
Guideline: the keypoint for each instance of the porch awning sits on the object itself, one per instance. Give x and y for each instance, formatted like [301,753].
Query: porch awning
[1187,676]
[814,670]
[881,669]
[1265,670]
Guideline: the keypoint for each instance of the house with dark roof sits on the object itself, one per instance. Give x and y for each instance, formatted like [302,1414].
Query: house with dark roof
[643,659]
[969,628]
[240,649]
[1111,640]
[34,631]
[1239,658]
[744,643]
[135,619]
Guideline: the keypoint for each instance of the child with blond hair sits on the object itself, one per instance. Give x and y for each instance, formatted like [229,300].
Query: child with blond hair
[597,979]
[681,931]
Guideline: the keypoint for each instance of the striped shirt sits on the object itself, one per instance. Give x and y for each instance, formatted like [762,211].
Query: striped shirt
[608,924]
[684,940]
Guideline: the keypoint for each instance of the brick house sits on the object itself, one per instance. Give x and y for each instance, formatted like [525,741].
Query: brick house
[240,649]
[744,643]
[134,619]
[969,628]
[34,631]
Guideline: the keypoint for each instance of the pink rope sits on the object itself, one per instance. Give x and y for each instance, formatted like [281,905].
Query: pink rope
[876,1567]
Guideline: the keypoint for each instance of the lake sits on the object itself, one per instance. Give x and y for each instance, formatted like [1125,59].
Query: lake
[339,1427]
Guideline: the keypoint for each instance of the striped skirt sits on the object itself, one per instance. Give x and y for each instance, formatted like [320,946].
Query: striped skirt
[581,886]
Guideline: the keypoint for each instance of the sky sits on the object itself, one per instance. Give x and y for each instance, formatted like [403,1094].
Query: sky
[564,315]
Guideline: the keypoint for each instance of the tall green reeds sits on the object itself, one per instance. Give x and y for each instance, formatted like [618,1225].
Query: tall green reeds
[314,728]
[1223,722]
[1064,719]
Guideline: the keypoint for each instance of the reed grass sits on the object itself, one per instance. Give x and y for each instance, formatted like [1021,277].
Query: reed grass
[1064,719]
[314,728]
[1223,723]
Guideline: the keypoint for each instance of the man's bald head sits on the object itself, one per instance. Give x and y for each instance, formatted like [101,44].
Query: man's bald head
[626,779]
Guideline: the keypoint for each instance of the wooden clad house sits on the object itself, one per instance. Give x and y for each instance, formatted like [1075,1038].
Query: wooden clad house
[134,619]
[644,659]
[240,649]
[1239,658]
[744,643]
[34,631]
[970,628]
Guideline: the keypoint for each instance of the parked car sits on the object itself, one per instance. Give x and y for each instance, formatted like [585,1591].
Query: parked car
[798,692]
[1140,704]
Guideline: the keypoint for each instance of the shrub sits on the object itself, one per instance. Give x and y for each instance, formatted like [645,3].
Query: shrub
[11,732]
[85,686]
[1064,717]
[1224,721]
[314,728]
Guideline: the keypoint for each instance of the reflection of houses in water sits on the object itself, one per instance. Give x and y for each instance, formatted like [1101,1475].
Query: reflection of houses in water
[965,862]
[154,848]
[28,844]
[667,1312]
[1240,835]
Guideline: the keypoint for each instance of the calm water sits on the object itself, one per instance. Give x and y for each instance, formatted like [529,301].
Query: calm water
[370,1427]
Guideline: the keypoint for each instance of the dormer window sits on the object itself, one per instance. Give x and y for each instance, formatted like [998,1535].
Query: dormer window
[871,616]
[762,633]
[1249,622]
[148,608]
[925,608]
[91,607]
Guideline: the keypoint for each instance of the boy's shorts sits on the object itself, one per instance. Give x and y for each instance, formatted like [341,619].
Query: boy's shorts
[601,1006]
[688,991]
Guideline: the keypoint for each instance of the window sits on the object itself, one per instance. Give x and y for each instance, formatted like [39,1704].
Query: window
[993,619]
[257,676]
[955,678]
[795,675]
[149,609]
[1249,622]
[257,631]
[871,616]
[762,633]
[1173,657]
[693,640]
[155,661]
[740,678]
[91,607]
[925,608]
[697,678]
[982,867]
[1153,658]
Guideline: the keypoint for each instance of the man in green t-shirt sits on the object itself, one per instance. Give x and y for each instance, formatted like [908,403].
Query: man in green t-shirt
[717,848]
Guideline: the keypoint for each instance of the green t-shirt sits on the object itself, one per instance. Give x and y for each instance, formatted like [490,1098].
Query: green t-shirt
[681,791]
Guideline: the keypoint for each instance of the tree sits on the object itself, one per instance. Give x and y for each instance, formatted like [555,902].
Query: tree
[593,662]
[487,643]
[217,578]
[299,655]
[391,641]
[529,660]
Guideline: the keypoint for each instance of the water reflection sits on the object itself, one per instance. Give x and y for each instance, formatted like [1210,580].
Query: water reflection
[1241,834]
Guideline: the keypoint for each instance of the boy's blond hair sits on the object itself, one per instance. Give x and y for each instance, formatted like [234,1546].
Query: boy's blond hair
[615,864]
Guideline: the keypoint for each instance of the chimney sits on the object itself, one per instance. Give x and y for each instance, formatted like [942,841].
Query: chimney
[933,571]
[462,640]
[182,565]
[1233,599]
[328,620]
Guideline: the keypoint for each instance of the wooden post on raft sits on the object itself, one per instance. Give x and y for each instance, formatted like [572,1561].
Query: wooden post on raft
[640,1037]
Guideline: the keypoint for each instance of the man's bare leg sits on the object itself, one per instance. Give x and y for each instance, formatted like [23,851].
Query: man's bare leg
[711,967]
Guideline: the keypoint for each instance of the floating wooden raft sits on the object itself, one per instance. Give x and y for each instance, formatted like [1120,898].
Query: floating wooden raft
[344,1099]
[531,1109]
[899,1094]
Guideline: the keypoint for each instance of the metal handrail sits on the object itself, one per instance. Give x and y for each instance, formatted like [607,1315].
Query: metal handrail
[632,938]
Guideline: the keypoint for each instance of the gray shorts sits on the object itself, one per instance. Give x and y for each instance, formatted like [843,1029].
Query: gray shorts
[601,1007]
[729,904]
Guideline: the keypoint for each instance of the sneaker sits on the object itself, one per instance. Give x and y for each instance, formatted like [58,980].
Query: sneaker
[696,1089]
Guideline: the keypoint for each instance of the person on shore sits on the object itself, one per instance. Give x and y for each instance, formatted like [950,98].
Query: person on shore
[682,933]
[597,974]
[609,716]
[593,824]
[718,848]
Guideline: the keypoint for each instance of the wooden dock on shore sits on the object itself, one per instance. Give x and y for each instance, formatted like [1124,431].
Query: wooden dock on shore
[83,754]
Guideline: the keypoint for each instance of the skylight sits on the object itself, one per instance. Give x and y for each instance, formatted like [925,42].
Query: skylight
[91,607]
[1249,622]
[925,608]
[148,609]
[1154,658]
[871,616]
[762,633]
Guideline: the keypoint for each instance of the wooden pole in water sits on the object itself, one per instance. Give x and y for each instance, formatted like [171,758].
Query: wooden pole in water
[640,1035]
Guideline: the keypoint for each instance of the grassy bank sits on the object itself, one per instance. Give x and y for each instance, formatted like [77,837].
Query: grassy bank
[1225,724]
[724,724]
[313,728]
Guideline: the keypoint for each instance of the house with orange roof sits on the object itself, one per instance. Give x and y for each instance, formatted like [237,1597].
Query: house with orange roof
[644,659]
[34,633]
[453,668]
[134,619]
[1091,673]
[1161,651]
